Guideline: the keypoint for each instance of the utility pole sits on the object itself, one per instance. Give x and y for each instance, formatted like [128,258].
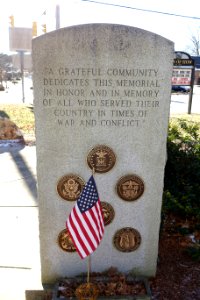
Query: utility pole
[21,53]
[57,16]
[191,90]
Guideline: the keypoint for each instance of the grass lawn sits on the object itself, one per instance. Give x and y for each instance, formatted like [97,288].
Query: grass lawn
[191,117]
[21,114]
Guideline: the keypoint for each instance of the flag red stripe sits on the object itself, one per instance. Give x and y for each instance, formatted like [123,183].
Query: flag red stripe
[80,241]
[81,231]
[93,215]
[74,238]
[78,235]
[84,232]
[100,216]
[91,226]
[100,213]
[99,219]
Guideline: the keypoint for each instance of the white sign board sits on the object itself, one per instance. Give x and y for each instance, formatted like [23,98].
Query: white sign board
[20,39]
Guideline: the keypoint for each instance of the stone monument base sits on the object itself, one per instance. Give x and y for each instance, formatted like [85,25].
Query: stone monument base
[109,285]
[39,294]
[140,289]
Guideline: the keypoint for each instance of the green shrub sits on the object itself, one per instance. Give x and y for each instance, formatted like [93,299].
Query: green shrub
[182,171]
[194,252]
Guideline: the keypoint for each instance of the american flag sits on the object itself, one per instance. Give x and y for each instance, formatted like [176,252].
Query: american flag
[85,222]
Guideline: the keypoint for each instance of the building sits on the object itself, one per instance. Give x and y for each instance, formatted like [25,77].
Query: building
[197,69]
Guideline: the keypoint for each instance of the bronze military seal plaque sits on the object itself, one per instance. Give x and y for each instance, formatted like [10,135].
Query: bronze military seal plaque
[108,212]
[69,187]
[130,187]
[65,242]
[101,158]
[127,239]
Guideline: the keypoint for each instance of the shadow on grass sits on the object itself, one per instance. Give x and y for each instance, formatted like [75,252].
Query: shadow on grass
[3,114]
[31,108]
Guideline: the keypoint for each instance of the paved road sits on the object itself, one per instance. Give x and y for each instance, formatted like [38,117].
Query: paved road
[179,102]
[19,227]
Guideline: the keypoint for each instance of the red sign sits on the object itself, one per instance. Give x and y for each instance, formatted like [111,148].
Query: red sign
[181,76]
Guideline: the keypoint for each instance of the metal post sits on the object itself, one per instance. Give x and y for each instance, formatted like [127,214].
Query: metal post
[89,269]
[191,91]
[22,73]
[57,16]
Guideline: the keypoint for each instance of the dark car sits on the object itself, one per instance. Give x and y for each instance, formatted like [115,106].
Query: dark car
[180,88]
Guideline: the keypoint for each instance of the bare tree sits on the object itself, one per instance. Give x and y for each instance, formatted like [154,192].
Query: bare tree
[194,47]
[5,61]
[5,65]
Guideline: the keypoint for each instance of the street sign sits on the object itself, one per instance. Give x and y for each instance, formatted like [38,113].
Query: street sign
[20,39]
[184,74]
[183,62]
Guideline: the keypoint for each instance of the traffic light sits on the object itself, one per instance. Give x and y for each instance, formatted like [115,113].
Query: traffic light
[44,28]
[11,21]
[34,29]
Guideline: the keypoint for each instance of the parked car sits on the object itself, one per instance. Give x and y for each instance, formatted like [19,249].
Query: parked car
[180,88]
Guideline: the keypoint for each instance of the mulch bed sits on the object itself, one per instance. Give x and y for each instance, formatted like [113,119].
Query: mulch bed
[178,275]
[109,284]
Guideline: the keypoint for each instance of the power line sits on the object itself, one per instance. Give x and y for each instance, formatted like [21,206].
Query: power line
[141,9]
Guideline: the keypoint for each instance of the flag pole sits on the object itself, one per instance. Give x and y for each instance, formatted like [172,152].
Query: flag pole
[93,171]
[89,268]
[89,257]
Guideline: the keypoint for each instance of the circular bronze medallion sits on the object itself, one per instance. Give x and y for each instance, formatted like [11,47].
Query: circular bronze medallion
[127,239]
[130,187]
[70,186]
[101,158]
[108,212]
[65,242]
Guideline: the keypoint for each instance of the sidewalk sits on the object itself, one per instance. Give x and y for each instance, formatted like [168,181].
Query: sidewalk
[13,93]
[19,226]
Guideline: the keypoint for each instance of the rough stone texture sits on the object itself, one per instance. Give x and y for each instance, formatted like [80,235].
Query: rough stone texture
[111,70]
[40,295]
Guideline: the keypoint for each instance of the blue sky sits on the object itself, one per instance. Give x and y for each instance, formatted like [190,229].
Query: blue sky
[72,12]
